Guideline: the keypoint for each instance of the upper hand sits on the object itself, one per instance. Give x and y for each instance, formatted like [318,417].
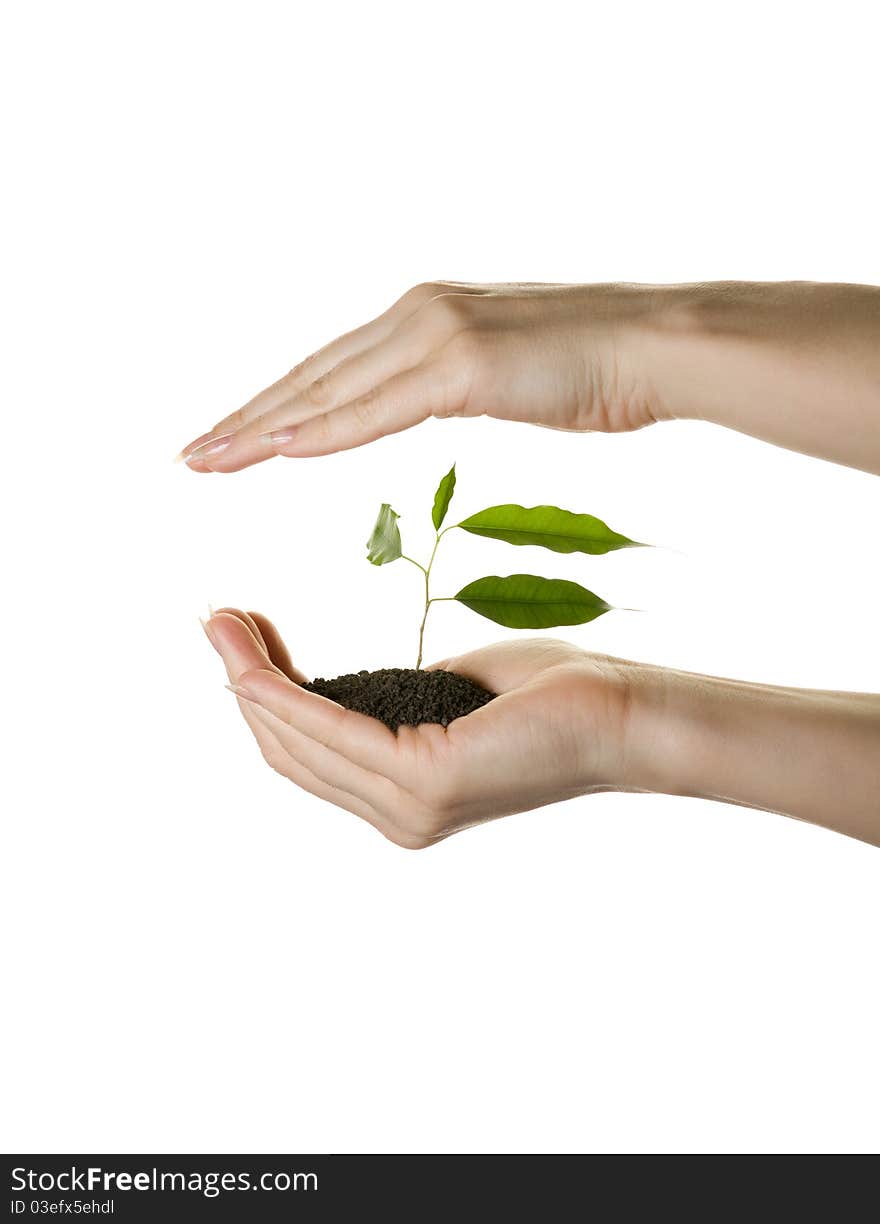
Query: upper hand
[553,355]
[556,729]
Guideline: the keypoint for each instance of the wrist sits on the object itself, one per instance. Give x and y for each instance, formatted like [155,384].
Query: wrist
[634,741]
[674,344]
[672,720]
[704,350]
[644,338]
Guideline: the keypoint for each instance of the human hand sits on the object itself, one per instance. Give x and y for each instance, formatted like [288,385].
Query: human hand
[561,356]
[564,723]
[556,729]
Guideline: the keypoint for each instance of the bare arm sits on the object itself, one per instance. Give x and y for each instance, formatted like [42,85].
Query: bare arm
[564,723]
[795,363]
[807,754]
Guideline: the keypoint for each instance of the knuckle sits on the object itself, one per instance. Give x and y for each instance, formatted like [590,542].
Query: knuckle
[465,347]
[235,420]
[450,385]
[318,392]
[461,366]
[366,407]
[321,430]
[305,367]
[336,733]
[275,757]
[422,293]
[439,795]
[417,843]
[406,841]
[411,817]
[449,310]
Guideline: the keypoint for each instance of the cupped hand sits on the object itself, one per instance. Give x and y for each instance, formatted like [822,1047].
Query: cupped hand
[561,356]
[556,729]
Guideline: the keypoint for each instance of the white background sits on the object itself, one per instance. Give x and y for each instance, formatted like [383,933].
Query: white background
[197,956]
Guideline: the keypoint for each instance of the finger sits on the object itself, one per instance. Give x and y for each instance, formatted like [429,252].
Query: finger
[307,781]
[237,645]
[276,756]
[196,465]
[276,648]
[264,725]
[350,380]
[285,388]
[407,399]
[408,345]
[353,381]
[359,738]
[318,364]
[244,658]
[288,764]
[313,367]
[248,620]
[270,642]
[328,766]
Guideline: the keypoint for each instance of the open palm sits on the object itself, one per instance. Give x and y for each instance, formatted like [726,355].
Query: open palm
[555,730]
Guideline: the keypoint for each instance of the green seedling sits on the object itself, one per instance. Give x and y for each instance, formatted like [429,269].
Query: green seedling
[520,601]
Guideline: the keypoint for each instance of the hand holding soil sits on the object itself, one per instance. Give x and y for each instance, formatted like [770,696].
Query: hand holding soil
[554,730]
[563,723]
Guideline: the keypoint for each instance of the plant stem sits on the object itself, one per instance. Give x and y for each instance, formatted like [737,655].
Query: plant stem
[422,632]
[426,570]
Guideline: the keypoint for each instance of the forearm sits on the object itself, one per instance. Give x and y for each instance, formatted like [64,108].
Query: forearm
[794,363]
[810,755]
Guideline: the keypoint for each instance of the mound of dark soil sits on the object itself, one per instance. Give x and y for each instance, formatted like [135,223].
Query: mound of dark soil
[402,696]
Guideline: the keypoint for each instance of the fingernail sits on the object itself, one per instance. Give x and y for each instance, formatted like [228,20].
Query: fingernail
[210,450]
[207,628]
[241,692]
[280,437]
[201,440]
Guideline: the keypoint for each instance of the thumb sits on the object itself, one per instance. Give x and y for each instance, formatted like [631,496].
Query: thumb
[236,645]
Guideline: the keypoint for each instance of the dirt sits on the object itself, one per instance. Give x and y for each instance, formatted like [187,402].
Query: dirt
[402,696]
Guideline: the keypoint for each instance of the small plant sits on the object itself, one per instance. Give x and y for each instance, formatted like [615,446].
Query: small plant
[520,601]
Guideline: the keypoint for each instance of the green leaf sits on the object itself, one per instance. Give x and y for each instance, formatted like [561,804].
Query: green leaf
[384,544]
[549,527]
[524,601]
[443,497]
